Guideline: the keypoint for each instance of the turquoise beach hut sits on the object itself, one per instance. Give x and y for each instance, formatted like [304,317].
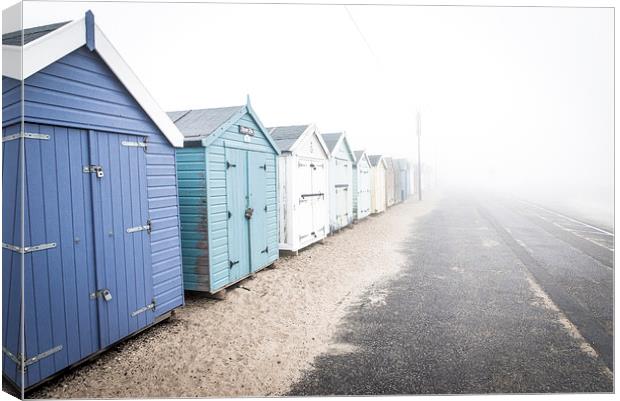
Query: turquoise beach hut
[227,194]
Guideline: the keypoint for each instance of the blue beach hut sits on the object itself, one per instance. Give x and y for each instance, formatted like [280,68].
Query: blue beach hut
[227,175]
[93,163]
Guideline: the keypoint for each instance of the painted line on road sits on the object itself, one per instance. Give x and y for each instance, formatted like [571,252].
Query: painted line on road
[566,217]
[589,327]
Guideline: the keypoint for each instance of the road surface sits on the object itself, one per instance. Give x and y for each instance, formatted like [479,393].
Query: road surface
[497,296]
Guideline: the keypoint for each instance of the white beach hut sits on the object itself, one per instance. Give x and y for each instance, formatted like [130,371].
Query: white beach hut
[378,170]
[361,185]
[303,186]
[341,164]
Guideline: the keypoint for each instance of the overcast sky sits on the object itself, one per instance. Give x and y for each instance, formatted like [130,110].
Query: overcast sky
[517,98]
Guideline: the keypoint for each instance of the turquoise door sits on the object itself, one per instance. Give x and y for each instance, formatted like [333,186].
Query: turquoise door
[257,169]
[238,221]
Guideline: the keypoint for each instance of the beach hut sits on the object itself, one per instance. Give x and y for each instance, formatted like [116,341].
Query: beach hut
[389,181]
[228,195]
[377,183]
[404,175]
[340,173]
[397,181]
[303,186]
[100,246]
[361,185]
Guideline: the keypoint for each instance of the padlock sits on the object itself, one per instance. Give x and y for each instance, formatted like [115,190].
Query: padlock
[107,295]
[248,213]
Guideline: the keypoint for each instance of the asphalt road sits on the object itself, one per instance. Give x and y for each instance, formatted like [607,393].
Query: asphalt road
[498,296]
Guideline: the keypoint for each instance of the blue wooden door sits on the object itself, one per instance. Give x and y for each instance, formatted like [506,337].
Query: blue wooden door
[60,326]
[121,229]
[257,172]
[237,204]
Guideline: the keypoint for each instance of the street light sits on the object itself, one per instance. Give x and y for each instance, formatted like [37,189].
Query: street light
[419,161]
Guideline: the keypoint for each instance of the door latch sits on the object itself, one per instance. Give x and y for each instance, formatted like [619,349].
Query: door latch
[248,213]
[105,294]
[98,170]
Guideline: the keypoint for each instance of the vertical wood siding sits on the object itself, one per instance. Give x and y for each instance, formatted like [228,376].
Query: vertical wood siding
[79,90]
[65,100]
[216,190]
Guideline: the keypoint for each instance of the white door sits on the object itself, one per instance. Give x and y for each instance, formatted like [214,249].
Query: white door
[319,204]
[306,199]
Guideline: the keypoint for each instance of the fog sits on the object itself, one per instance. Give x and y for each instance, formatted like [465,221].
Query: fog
[513,100]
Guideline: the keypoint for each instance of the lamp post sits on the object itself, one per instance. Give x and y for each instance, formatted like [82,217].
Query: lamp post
[419,161]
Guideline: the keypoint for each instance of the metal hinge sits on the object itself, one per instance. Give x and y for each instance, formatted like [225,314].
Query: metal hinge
[28,249]
[144,308]
[264,167]
[229,214]
[23,363]
[24,135]
[135,144]
[229,165]
[266,250]
[93,169]
[231,263]
[147,227]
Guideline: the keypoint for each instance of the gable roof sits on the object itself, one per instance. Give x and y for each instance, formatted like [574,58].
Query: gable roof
[289,137]
[197,124]
[376,159]
[359,155]
[333,140]
[206,125]
[30,34]
[286,137]
[46,44]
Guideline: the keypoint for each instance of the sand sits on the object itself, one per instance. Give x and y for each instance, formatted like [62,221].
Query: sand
[259,340]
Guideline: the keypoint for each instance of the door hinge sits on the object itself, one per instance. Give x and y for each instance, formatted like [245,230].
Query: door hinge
[104,293]
[229,165]
[21,362]
[229,214]
[264,167]
[231,263]
[266,250]
[28,249]
[144,308]
[94,169]
[147,227]
[136,144]
[265,207]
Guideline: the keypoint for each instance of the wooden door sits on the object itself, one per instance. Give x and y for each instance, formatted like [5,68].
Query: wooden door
[237,204]
[121,226]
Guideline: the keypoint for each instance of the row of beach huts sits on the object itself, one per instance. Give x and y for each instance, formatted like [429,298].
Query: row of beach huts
[113,208]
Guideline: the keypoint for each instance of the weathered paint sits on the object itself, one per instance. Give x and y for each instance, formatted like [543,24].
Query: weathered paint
[341,185]
[304,193]
[389,182]
[361,187]
[87,112]
[219,250]
[377,187]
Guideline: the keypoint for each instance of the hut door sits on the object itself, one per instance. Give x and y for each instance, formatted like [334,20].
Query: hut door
[306,200]
[237,204]
[122,235]
[319,202]
[257,183]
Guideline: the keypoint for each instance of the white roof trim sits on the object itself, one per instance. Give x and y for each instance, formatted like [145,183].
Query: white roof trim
[312,129]
[42,52]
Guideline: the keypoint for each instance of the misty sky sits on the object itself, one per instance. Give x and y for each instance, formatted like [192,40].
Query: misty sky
[511,98]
